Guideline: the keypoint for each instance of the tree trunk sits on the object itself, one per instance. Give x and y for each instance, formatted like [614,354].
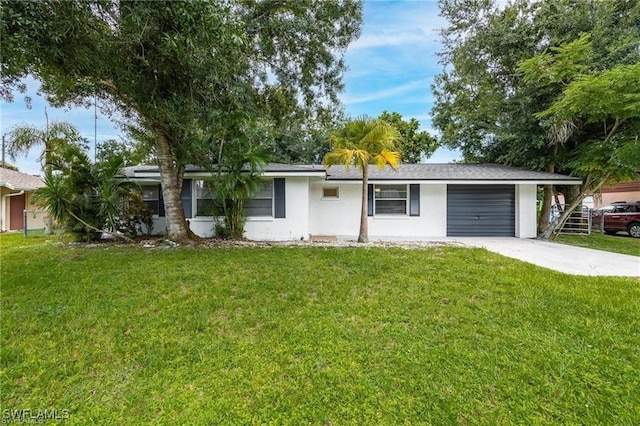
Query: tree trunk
[545,212]
[572,193]
[554,227]
[177,228]
[547,199]
[363,236]
[48,223]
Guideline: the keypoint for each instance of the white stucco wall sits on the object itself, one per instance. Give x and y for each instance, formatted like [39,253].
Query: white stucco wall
[526,220]
[337,217]
[307,213]
[296,223]
[293,227]
[341,217]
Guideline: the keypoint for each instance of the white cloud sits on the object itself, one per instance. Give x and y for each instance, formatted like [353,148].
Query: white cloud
[391,39]
[393,23]
[388,93]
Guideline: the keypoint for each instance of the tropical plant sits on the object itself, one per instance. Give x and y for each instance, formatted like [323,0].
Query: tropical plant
[236,182]
[55,136]
[361,142]
[165,65]
[88,200]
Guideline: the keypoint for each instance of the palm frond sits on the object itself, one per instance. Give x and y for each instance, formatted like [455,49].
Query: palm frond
[388,158]
[22,139]
[54,197]
[57,136]
[362,157]
[343,156]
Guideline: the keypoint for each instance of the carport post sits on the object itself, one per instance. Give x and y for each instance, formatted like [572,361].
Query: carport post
[24,221]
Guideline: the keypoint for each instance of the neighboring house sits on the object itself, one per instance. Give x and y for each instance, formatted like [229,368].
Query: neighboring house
[419,201]
[628,191]
[15,191]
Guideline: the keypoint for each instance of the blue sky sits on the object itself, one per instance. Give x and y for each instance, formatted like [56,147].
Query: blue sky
[390,67]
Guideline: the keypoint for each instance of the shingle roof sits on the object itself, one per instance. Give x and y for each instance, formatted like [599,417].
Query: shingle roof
[278,167]
[431,172]
[418,172]
[269,168]
[19,181]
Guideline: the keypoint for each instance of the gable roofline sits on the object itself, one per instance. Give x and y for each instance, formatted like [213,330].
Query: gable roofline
[271,169]
[423,172]
[18,181]
[455,173]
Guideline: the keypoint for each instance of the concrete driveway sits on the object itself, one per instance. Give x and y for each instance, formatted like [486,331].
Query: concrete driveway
[560,257]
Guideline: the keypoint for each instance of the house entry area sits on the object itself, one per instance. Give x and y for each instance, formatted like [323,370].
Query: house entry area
[16,212]
[481,210]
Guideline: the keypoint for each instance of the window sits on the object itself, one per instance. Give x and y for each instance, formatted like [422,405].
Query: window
[330,192]
[390,199]
[204,199]
[151,197]
[262,203]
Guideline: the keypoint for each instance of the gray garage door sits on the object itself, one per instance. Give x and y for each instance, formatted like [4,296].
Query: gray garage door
[481,210]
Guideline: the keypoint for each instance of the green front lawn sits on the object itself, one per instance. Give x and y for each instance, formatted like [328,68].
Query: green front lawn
[312,335]
[619,243]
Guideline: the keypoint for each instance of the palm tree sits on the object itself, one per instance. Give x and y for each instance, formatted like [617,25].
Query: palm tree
[24,138]
[84,197]
[362,142]
[54,137]
[237,181]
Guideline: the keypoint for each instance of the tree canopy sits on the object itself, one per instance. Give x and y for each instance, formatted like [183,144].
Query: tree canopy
[484,106]
[165,65]
[491,108]
[416,144]
[608,100]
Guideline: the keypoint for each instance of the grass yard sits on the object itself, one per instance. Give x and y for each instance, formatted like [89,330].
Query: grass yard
[312,335]
[620,243]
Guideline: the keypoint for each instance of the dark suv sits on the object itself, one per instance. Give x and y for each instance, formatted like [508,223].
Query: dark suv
[619,216]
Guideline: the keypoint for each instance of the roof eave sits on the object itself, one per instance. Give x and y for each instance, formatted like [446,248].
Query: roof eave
[462,181]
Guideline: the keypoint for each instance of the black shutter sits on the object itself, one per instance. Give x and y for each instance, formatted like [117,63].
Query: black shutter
[414,200]
[186,198]
[370,199]
[279,198]
[160,201]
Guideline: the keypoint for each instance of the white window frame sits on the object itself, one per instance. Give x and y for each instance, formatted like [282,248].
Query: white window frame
[156,188]
[376,199]
[196,197]
[271,197]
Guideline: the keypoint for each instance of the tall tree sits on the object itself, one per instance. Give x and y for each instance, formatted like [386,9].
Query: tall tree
[602,105]
[53,137]
[166,65]
[130,152]
[484,106]
[292,135]
[416,144]
[362,142]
